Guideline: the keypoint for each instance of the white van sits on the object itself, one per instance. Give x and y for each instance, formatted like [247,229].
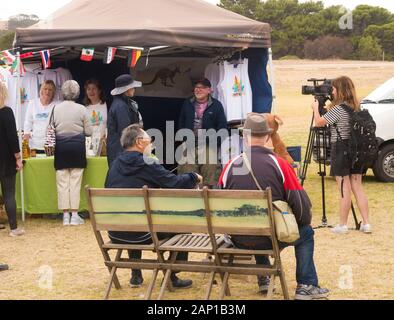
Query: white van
[380,104]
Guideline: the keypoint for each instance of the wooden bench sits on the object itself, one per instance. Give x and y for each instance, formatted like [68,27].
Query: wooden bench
[201,218]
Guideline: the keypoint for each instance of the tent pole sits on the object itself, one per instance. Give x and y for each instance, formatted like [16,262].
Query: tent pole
[272,78]
[19,120]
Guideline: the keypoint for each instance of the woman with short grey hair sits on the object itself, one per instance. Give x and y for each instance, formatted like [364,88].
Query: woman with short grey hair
[72,124]
[70,90]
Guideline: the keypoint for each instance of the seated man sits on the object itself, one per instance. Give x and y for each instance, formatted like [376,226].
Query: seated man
[130,170]
[272,171]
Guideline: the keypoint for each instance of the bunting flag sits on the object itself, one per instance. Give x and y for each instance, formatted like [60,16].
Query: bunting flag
[7,57]
[109,55]
[46,59]
[26,55]
[17,66]
[87,54]
[134,56]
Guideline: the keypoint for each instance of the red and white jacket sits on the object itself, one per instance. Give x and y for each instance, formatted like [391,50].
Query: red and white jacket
[271,171]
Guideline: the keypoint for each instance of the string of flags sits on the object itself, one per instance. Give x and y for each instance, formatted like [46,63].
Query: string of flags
[87,55]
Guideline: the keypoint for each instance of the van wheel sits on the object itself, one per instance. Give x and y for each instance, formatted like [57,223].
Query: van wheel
[383,167]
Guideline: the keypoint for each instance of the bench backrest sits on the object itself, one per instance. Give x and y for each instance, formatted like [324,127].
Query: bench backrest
[241,212]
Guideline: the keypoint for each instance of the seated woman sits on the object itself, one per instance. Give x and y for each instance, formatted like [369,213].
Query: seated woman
[37,116]
[97,110]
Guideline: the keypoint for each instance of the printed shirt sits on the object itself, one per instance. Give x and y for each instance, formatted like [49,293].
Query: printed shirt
[340,118]
[98,116]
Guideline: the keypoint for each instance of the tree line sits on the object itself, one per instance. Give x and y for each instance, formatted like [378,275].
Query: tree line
[308,30]
[16,21]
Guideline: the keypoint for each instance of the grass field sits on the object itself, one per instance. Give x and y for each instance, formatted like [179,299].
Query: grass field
[352,266]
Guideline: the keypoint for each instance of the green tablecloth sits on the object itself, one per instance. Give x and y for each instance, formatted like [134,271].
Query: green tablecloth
[39,178]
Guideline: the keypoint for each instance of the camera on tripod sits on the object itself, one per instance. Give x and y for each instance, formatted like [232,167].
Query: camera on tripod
[322,92]
[320,142]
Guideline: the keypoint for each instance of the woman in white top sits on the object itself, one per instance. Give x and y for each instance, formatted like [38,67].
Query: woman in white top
[97,110]
[38,114]
[95,104]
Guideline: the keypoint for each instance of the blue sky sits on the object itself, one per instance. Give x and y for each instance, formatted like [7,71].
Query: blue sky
[43,8]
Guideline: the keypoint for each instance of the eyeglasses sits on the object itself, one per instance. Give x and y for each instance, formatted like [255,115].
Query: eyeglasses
[200,88]
[145,138]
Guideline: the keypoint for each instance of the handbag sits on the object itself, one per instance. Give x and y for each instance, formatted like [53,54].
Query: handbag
[50,137]
[286,226]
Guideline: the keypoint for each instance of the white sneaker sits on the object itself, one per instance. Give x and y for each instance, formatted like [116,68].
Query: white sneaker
[17,232]
[76,220]
[366,228]
[66,219]
[340,229]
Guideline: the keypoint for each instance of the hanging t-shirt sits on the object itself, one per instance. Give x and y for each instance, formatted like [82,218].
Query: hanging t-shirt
[237,91]
[36,122]
[62,75]
[212,73]
[220,91]
[28,89]
[4,74]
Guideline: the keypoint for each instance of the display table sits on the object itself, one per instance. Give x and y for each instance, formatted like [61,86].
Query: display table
[39,178]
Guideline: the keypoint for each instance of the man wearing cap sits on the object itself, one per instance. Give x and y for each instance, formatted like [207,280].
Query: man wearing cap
[199,113]
[123,112]
[272,171]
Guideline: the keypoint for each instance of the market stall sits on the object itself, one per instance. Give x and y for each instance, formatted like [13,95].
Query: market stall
[166,44]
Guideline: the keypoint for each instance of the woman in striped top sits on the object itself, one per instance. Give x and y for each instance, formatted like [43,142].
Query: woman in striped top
[349,179]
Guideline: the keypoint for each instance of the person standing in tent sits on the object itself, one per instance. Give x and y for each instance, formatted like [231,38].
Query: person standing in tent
[10,160]
[123,112]
[97,109]
[71,122]
[37,116]
[199,113]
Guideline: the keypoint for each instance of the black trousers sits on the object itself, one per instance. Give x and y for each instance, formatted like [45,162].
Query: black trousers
[8,192]
[137,254]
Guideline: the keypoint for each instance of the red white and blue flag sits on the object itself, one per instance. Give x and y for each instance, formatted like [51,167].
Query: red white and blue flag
[46,59]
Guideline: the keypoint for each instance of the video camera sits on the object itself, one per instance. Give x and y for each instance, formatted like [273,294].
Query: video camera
[322,92]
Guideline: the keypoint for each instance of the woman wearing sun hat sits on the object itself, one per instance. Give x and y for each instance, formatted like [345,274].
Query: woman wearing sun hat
[123,112]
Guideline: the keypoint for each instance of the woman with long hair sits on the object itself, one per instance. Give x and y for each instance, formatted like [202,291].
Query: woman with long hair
[10,161]
[348,177]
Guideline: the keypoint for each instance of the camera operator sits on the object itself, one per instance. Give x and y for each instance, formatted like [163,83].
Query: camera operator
[349,179]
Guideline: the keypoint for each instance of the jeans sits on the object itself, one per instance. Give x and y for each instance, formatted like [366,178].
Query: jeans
[304,247]
[8,192]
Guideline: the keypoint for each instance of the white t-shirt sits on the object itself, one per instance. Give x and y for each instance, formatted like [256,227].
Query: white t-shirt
[98,116]
[212,73]
[4,74]
[219,87]
[28,90]
[237,91]
[36,122]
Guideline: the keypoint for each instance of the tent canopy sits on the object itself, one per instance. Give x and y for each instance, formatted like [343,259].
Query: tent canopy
[147,23]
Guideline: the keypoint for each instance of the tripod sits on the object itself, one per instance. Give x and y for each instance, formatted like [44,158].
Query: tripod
[319,139]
